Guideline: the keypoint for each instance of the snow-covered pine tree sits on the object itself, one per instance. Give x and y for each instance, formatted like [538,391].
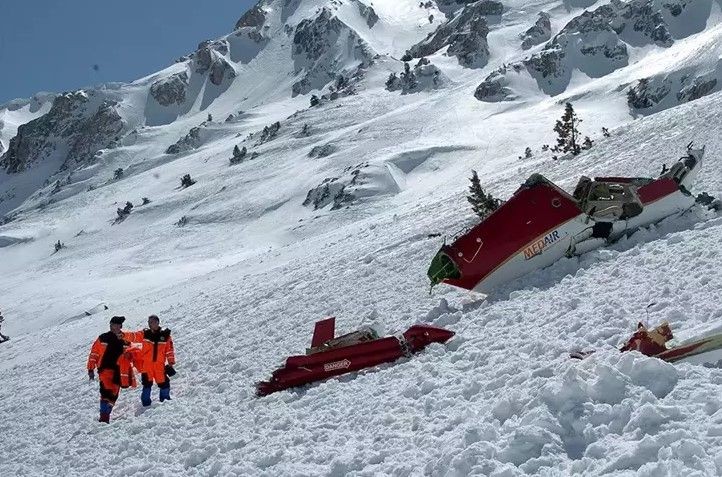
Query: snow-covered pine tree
[482,203]
[568,130]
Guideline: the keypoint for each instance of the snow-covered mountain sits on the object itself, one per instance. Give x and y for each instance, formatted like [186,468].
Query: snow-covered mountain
[354,160]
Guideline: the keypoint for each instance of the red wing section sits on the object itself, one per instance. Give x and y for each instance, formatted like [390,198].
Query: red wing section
[536,209]
[304,369]
[691,349]
[324,331]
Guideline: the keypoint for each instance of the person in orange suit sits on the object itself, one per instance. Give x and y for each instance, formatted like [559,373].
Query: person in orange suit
[649,342]
[157,358]
[113,355]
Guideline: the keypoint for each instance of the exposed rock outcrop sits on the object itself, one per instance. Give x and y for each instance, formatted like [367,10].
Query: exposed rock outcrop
[698,87]
[210,57]
[171,90]
[540,32]
[465,36]
[323,151]
[367,13]
[594,42]
[423,76]
[76,127]
[255,17]
[495,87]
[488,7]
[323,47]
[650,95]
[363,181]
[99,131]
[190,141]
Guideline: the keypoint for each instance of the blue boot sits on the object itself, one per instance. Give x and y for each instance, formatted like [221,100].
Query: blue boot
[165,392]
[105,410]
[145,396]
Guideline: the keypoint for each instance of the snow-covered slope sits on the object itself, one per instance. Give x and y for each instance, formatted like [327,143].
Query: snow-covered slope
[333,211]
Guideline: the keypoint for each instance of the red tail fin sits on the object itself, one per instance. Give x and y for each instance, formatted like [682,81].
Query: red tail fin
[324,331]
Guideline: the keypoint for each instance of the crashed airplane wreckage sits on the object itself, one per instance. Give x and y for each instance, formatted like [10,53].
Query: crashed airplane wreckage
[541,223]
[329,356]
[704,350]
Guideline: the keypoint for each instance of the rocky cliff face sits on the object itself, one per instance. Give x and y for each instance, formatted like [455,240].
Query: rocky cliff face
[465,36]
[485,7]
[367,13]
[651,95]
[423,76]
[255,17]
[190,141]
[76,127]
[594,42]
[540,32]
[324,47]
[210,58]
[171,90]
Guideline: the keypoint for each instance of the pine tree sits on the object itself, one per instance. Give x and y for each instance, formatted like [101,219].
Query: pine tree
[239,153]
[186,181]
[568,130]
[482,203]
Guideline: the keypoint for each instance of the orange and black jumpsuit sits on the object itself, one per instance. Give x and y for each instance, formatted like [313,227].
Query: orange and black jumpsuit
[114,357]
[157,350]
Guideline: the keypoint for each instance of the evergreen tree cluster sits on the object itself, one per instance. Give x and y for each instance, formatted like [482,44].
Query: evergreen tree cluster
[238,154]
[186,181]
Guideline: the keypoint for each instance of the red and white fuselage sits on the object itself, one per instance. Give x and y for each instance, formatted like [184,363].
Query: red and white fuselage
[541,223]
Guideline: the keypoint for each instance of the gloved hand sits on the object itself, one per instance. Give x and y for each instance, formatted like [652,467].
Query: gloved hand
[169,371]
[91,375]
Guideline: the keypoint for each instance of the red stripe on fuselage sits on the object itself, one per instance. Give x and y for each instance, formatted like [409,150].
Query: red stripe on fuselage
[657,190]
[530,213]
